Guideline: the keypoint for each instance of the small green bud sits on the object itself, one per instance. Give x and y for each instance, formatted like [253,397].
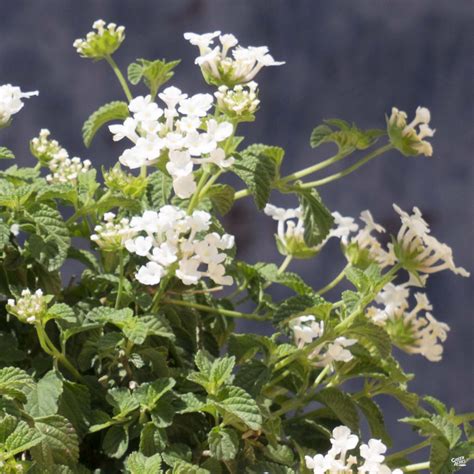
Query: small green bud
[118,180]
[104,42]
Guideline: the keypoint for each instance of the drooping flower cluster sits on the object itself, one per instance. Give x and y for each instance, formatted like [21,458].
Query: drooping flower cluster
[173,241]
[337,461]
[290,231]
[413,332]
[238,101]
[10,101]
[175,130]
[101,43]
[418,251]
[406,137]
[218,67]
[29,307]
[112,235]
[306,329]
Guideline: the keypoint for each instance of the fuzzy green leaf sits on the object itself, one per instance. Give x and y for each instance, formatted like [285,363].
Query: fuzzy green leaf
[6,154]
[341,405]
[43,399]
[14,382]
[222,197]
[223,443]
[115,441]
[24,437]
[375,419]
[137,463]
[116,110]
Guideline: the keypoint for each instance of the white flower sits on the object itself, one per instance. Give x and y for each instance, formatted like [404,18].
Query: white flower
[172,96]
[149,148]
[344,227]
[337,352]
[184,186]
[114,235]
[125,130]
[342,440]
[188,271]
[15,229]
[306,329]
[217,157]
[10,101]
[421,251]
[165,254]
[216,272]
[218,67]
[373,453]
[196,105]
[149,222]
[144,110]
[150,274]
[179,164]
[240,100]
[218,132]
[317,463]
[131,158]
[141,245]
[393,297]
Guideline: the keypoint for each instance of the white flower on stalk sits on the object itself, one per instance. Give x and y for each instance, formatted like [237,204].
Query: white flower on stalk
[218,67]
[419,251]
[196,105]
[337,352]
[29,307]
[112,234]
[406,137]
[174,242]
[125,130]
[11,101]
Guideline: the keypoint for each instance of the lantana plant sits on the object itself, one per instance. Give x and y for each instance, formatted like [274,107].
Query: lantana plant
[136,366]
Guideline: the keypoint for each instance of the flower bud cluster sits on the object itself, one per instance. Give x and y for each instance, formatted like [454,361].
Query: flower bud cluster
[173,241]
[337,460]
[66,170]
[131,186]
[101,43]
[174,132]
[111,236]
[290,231]
[218,67]
[10,101]
[30,307]
[406,137]
[239,101]
[44,148]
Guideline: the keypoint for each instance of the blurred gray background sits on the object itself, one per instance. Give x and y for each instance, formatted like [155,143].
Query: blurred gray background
[350,59]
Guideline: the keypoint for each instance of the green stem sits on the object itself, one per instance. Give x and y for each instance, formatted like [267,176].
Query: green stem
[417,467]
[285,264]
[242,193]
[120,285]
[314,168]
[221,311]
[211,181]
[345,172]
[120,77]
[321,375]
[333,283]
[410,450]
[195,199]
[48,346]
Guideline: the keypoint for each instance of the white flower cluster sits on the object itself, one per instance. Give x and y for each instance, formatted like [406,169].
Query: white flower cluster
[421,334]
[290,229]
[10,101]
[423,252]
[174,129]
[29,307]
[171,240]
[415,138]
[66,170]
[337,461]
[239,100]
[305,329]
[111,236]
[44,148]
[100,43]
[218,67]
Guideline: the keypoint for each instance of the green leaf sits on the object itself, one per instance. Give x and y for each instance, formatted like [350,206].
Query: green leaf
[14,382]
[374,337]
[222,197]
[122,400]
[269,271]
[316,217]
[223,443]
[152,439]
[258,173]
[235,404]
[440,456]
[341,405]
[43,399]
[159,189]
[75,405]
[154,73]
[221,370]
[23,437]
[296,306]
[6,154]
[115,441]
[116,110]
[137,463]
[252,376]
[60,444]
[63,191]
[149,394]
[375,419]
[347,137]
